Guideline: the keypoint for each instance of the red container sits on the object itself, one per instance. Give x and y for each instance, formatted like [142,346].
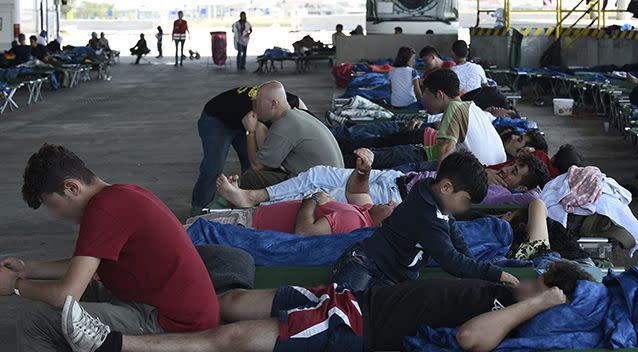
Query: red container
[218,45]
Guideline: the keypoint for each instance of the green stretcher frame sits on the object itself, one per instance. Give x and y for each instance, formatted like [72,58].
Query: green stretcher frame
[274,277]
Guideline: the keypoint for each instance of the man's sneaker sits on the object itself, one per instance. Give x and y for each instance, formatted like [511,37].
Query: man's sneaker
[83,332]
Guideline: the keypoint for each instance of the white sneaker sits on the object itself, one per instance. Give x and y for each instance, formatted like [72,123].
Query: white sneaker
[83,332]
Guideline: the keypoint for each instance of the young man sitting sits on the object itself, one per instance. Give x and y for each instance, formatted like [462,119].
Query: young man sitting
[152,280]
[433,61]
[378,319]
[464,126]
[422,227]
[515,183]
[318,214]
[471,75]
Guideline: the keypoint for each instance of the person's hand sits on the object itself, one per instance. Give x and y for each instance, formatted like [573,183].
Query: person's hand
[509,279]
[414,124]
[553,297]
[322,198]
[7,280]
[17,266]
[365,158]
[250,121]
[494,179]
[525,151]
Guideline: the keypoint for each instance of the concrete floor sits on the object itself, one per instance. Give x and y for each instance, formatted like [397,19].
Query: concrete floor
[140,128]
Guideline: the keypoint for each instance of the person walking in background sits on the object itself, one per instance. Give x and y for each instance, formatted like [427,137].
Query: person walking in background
[180,27]
[159,35]
[242,30]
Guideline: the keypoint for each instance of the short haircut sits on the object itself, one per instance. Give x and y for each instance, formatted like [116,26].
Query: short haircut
[403,56]
[33,37]
[537,174]
[242,13]
[429,50]
[21,36]
[443,80]
[507,135]
[565,275]
[459,48]
[566,157]
[429,31]
[466,173]
[536,140]
[339,26]
[398,30]
[178,12]
[47,170]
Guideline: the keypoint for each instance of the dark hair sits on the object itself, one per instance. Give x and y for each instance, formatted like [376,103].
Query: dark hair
[429,50]
[565,275]
[429,31]
[159,28]
[466,173]
[242,13]
[403,56]
[21,35]
[339,26]
[507,134]
[47,170]
[537,174]
[33,37]
[443,80]
[566,157]
[459,48]
[398,30]
[180,11]
[536,140]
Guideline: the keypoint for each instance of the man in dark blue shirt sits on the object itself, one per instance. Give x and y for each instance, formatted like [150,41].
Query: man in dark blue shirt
[422,227]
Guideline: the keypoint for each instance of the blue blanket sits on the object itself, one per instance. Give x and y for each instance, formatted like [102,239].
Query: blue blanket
[371,86]
[598,316]
[488,239]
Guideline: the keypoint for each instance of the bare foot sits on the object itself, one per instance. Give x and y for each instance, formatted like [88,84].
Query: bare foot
[234,180]
[236,196]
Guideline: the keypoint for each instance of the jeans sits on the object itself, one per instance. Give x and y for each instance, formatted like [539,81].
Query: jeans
[348,135]
[387,158]
[159,47]
[422,166]
[216,141]
[241,56]
[356,271]
[332,180]
[40,329]
[404,137]
[177,56]
[252,179]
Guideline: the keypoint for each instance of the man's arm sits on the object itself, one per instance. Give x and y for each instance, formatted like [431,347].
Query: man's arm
[358,187]
[306,224]
[73,282]
[507,197]
[446,147]
[488,330]
[250,124]
[51,270]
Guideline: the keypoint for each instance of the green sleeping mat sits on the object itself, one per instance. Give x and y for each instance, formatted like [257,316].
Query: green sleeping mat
[273,277]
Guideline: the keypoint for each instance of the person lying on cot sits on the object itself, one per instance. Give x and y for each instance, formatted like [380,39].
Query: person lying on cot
[515,183]
[426,135]
[318,214]
[294,318]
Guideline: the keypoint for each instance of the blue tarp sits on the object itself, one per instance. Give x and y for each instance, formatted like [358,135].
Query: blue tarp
[488,238]
[598,316]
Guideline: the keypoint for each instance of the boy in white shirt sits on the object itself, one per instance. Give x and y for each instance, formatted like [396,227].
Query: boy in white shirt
[471,76]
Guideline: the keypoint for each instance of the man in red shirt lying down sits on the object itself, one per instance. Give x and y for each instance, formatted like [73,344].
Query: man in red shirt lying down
[318,214]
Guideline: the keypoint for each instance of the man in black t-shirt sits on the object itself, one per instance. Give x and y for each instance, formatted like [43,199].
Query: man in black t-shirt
[38,51]
[220,127]
[332,319]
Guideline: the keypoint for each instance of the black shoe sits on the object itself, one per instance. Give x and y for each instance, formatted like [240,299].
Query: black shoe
[181,64]
[176,64]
